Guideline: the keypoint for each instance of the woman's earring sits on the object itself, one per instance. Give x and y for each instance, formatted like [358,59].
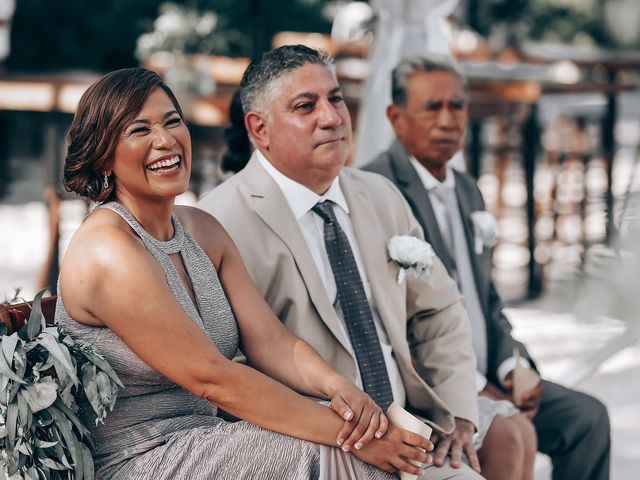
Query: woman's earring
[105,182]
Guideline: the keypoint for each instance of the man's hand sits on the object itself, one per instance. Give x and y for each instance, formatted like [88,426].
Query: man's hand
[530,402]
[364,419]
[458,442]
[398,450]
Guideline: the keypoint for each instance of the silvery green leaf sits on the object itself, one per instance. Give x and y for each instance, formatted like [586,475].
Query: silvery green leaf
[72,416]
[24,411]
[67,395]
[33,473]
[20,361]
[64,427]
[78,465]
[44,444]
[23,447]
[7,371]
[104,388]
[36,322]
[49,342]
[3,431]
[12,462]
[90,385]
[64,459]
[9,346]
[47,462]
[43,474]
[102,364]
[12,424]
[87,463]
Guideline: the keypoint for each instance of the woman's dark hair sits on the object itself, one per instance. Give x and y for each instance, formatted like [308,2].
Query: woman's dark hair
[236,138]
[103,113]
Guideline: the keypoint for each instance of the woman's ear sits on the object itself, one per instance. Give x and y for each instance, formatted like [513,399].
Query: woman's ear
[257,128]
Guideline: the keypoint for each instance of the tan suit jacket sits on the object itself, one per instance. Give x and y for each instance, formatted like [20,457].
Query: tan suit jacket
[425,320]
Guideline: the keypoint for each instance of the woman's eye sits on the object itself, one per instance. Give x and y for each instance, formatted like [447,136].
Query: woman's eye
[174,122]
[139,131]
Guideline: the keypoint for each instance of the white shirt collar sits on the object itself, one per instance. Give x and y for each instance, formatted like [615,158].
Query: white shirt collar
[428,180]
[300,198]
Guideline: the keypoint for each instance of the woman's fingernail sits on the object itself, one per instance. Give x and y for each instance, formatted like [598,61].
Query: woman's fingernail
[345,448]
[358,445]
[340,441]
[347,415]
[378,434]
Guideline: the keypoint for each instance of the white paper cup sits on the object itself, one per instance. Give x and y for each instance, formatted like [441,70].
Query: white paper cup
[403,419]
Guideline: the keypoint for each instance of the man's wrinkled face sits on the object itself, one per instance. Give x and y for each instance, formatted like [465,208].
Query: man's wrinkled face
[306,131]
[431,125]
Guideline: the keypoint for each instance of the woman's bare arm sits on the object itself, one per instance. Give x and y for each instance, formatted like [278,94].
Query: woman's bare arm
[108,278]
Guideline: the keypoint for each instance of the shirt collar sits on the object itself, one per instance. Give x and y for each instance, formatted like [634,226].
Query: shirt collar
[300,198]
[428,180]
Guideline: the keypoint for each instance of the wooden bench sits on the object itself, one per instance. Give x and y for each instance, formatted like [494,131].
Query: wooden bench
[15,316]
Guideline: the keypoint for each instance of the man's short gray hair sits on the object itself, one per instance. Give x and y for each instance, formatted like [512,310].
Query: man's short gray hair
[425,63]
[260,77]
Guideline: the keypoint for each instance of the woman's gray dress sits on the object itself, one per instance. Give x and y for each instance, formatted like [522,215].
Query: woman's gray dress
[158,430]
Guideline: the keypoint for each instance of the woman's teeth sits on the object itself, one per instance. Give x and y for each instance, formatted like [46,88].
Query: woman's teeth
[169,162]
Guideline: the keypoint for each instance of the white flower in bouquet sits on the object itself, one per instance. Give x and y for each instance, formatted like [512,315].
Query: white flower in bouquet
[485,230]
[412,254]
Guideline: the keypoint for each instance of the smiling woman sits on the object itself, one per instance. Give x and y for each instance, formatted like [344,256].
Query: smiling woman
[162,293]
[94,136]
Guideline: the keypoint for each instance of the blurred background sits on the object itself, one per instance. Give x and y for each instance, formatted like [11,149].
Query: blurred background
[554,140]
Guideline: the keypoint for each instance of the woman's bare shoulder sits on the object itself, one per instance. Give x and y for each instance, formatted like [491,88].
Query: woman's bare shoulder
[103,232]
[103,254]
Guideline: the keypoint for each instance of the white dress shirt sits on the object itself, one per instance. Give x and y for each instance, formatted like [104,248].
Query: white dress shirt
[301,200]
[430,183]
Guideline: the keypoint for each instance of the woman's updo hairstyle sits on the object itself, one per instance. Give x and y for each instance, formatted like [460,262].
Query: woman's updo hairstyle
[103,113]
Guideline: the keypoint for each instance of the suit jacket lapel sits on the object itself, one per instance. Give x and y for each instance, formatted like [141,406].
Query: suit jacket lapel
[267,200]
[412,188]
[372,244]
[466,208]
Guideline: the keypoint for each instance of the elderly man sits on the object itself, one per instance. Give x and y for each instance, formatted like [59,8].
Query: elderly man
[429,117]
[314,237]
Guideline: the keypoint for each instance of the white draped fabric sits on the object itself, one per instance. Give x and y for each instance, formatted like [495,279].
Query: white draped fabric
[404,28]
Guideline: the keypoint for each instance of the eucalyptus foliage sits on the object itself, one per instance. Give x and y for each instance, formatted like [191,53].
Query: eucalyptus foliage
[42,371]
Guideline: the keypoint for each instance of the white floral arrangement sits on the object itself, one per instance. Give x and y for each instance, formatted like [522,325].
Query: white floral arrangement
[485,230]
[412,254]
[42,370]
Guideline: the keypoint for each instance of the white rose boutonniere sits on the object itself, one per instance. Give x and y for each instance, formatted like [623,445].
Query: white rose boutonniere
[413,255]
[485,230]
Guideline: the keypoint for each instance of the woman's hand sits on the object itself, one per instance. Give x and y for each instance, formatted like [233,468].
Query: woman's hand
[364,419]
[396,450]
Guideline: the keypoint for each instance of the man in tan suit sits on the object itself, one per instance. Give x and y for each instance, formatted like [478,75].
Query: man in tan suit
[304,224]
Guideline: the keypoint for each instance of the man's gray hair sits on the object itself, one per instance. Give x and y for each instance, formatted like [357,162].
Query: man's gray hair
[425,63]
[260,77]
